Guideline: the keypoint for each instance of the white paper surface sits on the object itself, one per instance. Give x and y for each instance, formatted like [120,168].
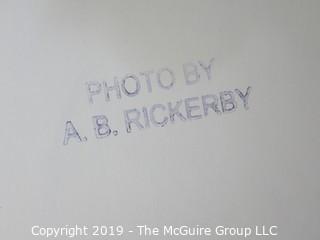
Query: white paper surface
[249,167]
